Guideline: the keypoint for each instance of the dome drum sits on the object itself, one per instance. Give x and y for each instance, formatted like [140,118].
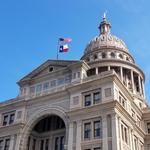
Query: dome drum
[108,54]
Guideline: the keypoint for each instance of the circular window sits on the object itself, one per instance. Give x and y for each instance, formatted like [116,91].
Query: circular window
[51,69]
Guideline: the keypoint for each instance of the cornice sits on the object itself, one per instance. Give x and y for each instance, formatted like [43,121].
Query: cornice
[101,107]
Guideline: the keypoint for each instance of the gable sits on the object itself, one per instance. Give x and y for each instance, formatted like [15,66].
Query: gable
[47,67]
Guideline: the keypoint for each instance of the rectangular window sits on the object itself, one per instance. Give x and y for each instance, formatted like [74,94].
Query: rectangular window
[78,74]
[96,97]
[34,144]
[53,83]
[12,118]
[124,131]
[45,86]
[97,148]
[5,120]
[60,81]
[97,129]
[148,127]
[135,142]
[42,145]
[62,143]
[39,88]
[7,143]
[32,90]
[1,144]
[68,78]
[57,143]
[74,76]
[47,144]
[87,130]
[87,100]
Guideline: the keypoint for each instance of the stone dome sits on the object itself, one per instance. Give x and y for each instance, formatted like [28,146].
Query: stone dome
[105,39]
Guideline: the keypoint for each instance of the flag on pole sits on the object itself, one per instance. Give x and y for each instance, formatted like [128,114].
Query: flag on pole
[65,40]
[63,48]
[63,45]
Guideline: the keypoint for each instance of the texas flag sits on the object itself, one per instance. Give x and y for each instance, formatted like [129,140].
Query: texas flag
[63,48]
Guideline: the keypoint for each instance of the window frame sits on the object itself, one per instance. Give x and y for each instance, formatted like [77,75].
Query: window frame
[97,129]
[8,121]
[87,132]
[148,127]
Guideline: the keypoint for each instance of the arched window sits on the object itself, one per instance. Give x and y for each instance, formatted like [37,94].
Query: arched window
[127,58]
[112,54]
[95,56]
[120,56]
[88,59]
[103,55]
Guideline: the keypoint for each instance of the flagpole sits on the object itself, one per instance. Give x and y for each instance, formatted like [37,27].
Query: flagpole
[57,48]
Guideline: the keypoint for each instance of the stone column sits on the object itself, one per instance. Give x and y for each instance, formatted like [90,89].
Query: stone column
[139,82]
[115,137]
[108,68]
[70,136]
[96,70]
[104,132]
[79,135]
[132,81]
[121,73]
[143,88]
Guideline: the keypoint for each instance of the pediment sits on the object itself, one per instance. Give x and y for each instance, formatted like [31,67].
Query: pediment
[47,67]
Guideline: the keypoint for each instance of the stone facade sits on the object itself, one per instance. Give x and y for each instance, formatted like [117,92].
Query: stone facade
[96,103]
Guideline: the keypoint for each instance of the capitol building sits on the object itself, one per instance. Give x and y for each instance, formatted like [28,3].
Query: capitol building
[95,103]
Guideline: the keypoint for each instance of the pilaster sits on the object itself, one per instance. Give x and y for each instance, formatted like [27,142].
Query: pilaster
[79,135]
[70,137]
[115,133]
[104,129]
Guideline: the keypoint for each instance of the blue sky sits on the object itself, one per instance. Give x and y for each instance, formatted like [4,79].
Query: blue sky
[29,30]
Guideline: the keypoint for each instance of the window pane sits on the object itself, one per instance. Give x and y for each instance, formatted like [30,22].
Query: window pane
[97,148]
[47,144]
[34,144]
[56,143]
[60,81]
[1,144]
[62,142]
[32,90]
[39,88]
[96,97]
[42,145]
[87,130]
[148,127]
[7,143]
[12,117]
[5,121]
[87,100]
[97,129]
[46,86]
[53,83]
